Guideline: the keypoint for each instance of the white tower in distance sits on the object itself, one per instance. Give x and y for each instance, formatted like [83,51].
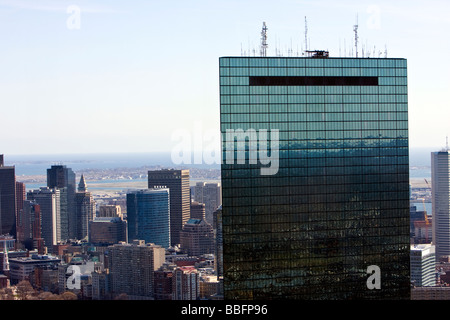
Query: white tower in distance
[440,189]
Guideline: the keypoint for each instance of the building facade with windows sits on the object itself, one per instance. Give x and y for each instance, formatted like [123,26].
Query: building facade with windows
[63,178]
[338,199]
[148,216]
[177,181]
[423,265]
[7,198]
[440,197]
[50,217]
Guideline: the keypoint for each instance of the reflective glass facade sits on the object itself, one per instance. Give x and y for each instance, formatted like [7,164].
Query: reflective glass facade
[339,201]
[148,216]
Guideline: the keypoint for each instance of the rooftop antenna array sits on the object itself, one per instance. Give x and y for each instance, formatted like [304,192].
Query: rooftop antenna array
[355,29]
[263,50]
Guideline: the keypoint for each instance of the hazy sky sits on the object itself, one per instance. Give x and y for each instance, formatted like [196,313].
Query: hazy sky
[103,76]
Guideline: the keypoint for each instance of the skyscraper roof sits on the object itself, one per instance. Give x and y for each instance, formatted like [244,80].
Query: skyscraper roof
[82,186]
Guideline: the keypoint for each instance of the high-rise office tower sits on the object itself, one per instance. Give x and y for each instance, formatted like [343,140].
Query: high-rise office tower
[84,209]
[132,267]
[177,181]
[440,195]
[36,220]
[25,222]
[48,200]
[63,178]
[423,265]
[29,230]
[209,193]
[315,177]
[148,216]
[20,195]
[7,199]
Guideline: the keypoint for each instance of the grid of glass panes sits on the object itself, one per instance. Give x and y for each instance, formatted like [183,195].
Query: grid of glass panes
[339,201]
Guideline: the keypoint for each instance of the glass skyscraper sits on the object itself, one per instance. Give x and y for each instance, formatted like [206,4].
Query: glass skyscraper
[148,216]
[337,201]
[177,181]
[63,178]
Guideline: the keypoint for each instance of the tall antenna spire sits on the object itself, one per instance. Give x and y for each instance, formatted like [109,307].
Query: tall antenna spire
[306,35]
[355,29]
[264,45]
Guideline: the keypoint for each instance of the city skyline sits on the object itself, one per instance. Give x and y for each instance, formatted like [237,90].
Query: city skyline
[124,97]
[111,69]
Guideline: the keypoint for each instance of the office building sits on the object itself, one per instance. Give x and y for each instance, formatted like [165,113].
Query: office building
[197,210]
[106,231]
[7,199]
[423,265]
[20,195]
[132,267]
[440,195]
[11,254]
[49,203]
[197,238]
[28,224]
[315,177]
[84,209]
[209,193]
[22,268]
[148,216]
[177,181]
[63,178]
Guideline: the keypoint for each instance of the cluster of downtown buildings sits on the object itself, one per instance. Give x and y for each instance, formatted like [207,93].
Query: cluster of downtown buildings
[162,248]
[336,207]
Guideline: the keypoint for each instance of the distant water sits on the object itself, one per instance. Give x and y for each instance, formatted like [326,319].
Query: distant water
[38,164]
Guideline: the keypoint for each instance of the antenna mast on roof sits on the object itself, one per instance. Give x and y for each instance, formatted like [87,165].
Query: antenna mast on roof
[306,35]
[264,45]
[355,29]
